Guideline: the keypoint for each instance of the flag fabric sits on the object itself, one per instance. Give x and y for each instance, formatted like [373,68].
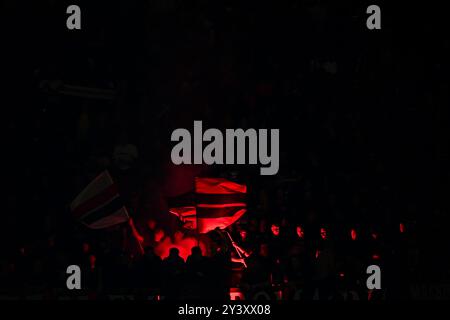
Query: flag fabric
[183,206]
[99,205]
[187,215]
[217,203]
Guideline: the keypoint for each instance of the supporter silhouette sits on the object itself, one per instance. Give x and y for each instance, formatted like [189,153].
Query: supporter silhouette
[197,267]
[325,266]
[196,262]
[220,270]
[259,268]
[173,269]
[148,270]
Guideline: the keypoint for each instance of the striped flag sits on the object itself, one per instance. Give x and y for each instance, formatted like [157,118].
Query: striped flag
[187,215]
[99,205]
[217,203]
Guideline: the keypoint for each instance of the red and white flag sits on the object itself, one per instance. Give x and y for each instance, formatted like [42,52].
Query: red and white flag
[99,205]
[217,203]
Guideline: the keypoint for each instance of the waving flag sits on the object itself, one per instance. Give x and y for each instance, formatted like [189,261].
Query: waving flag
[99,205]
[217,203]
[187,214]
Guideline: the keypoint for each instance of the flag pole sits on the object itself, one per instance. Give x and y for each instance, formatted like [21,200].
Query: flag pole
[238,252]
[135,233]
[196,225]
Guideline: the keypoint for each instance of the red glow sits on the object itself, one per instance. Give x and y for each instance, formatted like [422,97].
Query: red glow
[159,235]
[236,294]
[243,234]
[182,243]
[341,274]
[207,224]
[218,186]
[353,234]
[375,257]
[275,230]
[317,254]
[402,228]
[221,205]
[136,234]
[209,214]
[300,232]
[151,224]
[323,233]
[188,215]
[92,261]
[374,236]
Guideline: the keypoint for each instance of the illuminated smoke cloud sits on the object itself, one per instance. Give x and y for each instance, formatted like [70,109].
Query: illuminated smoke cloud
[183,243]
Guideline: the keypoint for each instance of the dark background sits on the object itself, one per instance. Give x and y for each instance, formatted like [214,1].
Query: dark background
[363,114]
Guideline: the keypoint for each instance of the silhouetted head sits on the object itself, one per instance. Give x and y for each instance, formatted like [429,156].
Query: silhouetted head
[174,252]
[353,234]
[275,229]
[92,260]
[243,233]
[178,236]
[323,233]
[159,235]
[300,232]
[196,251]
[149,250]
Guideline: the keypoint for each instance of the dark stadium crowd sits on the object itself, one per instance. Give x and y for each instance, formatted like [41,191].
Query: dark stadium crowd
[288,260]
[357,162]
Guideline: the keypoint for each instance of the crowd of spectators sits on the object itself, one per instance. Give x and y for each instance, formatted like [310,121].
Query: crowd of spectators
[362,129]
[274,256]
